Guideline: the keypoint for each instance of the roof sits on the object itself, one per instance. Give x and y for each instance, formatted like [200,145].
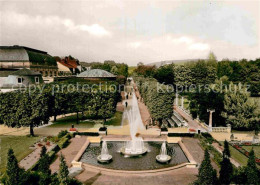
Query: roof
[25,72]
[96,73]
[5,73]
[62,67]
[68,62]
[22,53]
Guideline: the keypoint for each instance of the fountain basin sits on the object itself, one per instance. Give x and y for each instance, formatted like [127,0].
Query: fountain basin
[104,159]
[146,162]
[163,159]
[131,153]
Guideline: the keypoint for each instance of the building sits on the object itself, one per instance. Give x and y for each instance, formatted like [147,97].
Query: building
[96,74]
[21,78]
[18,57]
[67,64]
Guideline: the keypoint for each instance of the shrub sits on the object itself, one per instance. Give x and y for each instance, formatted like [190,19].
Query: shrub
[164,129]
[63,142]
[51,155]
[209,138]
[86,133]
[103,129]
[62,133]
[181,134]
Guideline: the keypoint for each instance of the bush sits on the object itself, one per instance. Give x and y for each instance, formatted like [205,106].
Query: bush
[181,134]
[86,133]
[208,137]
[51,155]
[103,129]
[63,142]
[164,129]
[62,133]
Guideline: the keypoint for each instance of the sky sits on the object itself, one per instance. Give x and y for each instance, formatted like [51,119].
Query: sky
[133,31]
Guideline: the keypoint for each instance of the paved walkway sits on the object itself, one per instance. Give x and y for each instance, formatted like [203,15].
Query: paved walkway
[193,146]
[33,157]
[69,152]
[180,176]
[220,149]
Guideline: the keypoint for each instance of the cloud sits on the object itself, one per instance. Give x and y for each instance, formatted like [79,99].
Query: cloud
[185,40]
[53,21]
[94,29]
[134,45]
[199,46]
[188,43]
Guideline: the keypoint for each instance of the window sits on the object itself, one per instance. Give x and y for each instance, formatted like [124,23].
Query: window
[20,80]
[37,80]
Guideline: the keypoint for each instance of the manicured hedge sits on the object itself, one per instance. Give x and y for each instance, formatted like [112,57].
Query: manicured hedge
[63,142]
[86,133]
[181,134]
[103,129]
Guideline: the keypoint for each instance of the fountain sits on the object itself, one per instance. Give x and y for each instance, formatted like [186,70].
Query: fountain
[163,157]
[135,146]
[104,157]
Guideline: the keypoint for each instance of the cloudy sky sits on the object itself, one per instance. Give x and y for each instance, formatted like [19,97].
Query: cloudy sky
[133,31]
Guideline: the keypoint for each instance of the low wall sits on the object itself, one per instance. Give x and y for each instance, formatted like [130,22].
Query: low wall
[191,164]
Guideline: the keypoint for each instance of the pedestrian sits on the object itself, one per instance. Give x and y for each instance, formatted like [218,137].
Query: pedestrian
[126,104]
[127,96]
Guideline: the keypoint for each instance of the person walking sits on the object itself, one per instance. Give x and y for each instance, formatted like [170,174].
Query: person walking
[126,104]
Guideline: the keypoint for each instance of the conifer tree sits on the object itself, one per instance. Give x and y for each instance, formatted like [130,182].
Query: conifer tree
[226,151]
[207,175]
[63,172]
[12,169]
[251,170]
[226,170]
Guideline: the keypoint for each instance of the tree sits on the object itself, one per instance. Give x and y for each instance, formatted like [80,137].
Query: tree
[239,111]
[226,151]
[44,168]
[63,172]
[13,171]
[251,170]
[43,151]
[226,170]
[207,175]
[182,75]
[157,97]
[164,74]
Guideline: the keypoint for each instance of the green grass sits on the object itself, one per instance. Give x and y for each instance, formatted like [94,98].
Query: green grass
[115,120]
[255,148]
[67,121]
[20,145]
[235,154]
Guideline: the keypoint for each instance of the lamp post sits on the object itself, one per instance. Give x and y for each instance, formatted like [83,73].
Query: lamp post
[210,118]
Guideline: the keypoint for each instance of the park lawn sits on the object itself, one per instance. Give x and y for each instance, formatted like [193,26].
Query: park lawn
[255,148]
[67,121]
[235,154]
[20,145]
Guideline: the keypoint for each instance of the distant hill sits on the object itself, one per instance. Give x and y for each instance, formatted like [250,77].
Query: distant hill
[158,64]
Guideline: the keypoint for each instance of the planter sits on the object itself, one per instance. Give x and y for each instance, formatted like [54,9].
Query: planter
[164,131]
[102,131]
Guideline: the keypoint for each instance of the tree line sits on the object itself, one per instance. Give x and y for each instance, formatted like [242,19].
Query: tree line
[215,85]
[32,109]
[204,72]
[159,101]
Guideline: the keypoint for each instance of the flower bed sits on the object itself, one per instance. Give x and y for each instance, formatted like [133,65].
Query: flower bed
[244,151]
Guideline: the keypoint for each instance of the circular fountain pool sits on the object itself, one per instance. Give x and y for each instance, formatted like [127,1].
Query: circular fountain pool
[143,162]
